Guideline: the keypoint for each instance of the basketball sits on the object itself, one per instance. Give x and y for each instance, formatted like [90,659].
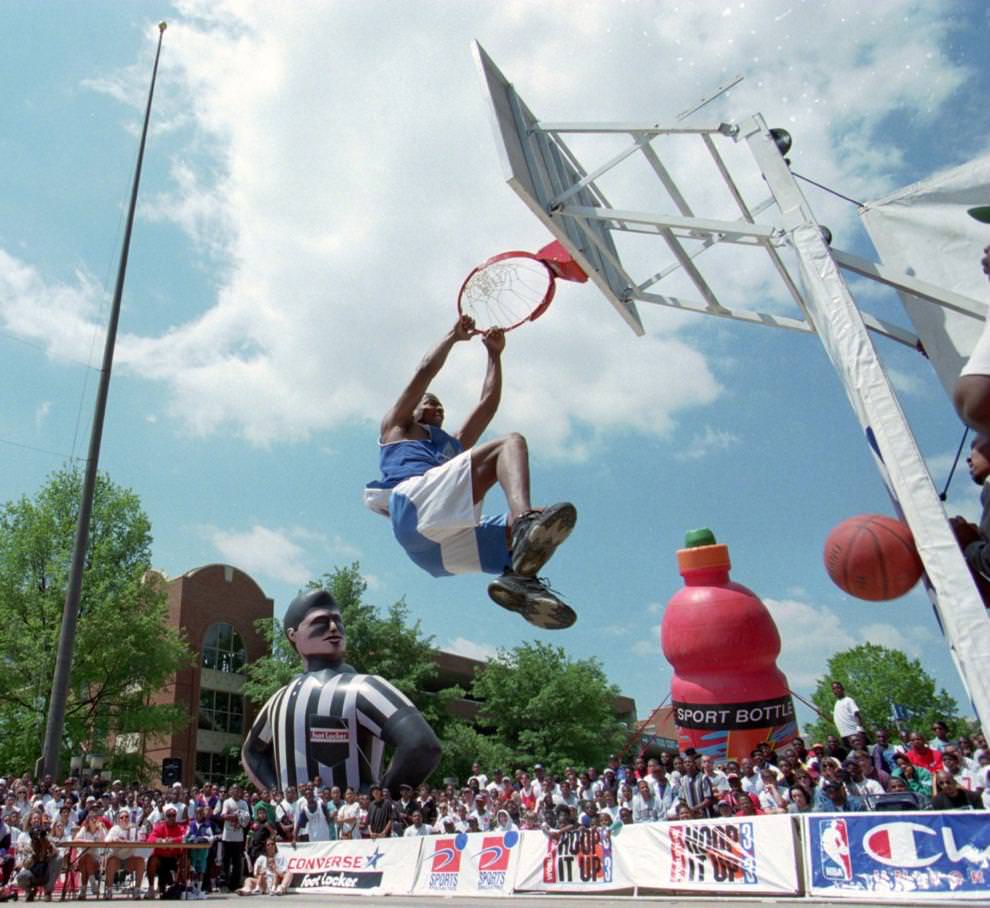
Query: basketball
[872,557]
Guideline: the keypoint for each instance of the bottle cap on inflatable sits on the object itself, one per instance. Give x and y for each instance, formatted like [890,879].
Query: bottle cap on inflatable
[702,552]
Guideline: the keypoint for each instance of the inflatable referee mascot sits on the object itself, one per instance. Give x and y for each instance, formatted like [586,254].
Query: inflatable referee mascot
[333,722]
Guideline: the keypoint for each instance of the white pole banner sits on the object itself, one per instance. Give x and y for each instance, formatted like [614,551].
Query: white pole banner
[579,861]
[361,867]
[744,855]
[479,863]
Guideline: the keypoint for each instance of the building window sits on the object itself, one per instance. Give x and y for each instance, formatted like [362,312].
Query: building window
[221,711]
[219,768]
[223,649]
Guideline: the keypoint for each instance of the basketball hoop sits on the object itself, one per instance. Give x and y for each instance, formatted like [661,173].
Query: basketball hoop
[515,287]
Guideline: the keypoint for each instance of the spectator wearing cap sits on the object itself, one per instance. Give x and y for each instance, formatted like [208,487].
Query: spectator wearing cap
[163,864]
[481,812]
[405,806]
[380,825]
[833,798]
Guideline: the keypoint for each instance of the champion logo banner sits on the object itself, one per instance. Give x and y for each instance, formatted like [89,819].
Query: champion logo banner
[922,854]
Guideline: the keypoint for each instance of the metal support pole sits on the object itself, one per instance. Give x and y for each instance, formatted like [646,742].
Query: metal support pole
[55,723]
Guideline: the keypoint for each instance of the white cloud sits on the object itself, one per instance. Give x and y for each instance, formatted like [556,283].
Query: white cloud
[906,383]
[710,441]
[648,642]
[471,649]
[262,552]
[41,413]
[346,202]
[810,634]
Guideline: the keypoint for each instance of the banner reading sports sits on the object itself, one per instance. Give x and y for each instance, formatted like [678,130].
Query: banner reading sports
[925,854]
[481,863]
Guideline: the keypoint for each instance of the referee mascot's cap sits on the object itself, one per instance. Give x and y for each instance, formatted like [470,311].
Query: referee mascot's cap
[304,603]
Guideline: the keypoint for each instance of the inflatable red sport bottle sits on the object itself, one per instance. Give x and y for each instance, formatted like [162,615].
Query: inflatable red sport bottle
[728,694]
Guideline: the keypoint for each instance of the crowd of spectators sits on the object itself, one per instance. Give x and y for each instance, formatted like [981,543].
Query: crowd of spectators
[243,830]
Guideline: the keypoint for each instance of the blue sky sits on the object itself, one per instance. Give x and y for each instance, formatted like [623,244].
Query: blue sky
[319,180]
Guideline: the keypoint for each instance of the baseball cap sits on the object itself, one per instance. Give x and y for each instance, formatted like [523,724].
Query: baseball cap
[980,213]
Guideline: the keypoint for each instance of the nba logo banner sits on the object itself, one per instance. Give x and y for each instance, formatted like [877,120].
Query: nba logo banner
[919,855]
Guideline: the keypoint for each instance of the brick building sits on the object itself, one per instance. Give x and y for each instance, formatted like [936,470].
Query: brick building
[216,606]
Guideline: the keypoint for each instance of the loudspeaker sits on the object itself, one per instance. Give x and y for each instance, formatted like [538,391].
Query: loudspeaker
[171,770]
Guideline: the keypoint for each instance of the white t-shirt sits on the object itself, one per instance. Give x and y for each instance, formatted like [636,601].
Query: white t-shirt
[844,716]
[233,830]
[347,820]
[264,867]
[411,830]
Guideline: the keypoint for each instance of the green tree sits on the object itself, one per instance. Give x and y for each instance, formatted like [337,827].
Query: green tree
[389,644]
[877,677]
[124,648]
[544,707]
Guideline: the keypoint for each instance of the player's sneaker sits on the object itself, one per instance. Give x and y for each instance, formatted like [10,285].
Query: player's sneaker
[536,535]
[533,599]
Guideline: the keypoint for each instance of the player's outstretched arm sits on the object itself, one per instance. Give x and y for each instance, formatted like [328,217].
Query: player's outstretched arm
[416,750]
[257,754]
[398,419]
[491,392]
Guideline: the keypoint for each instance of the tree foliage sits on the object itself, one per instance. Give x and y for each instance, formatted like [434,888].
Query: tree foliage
[544,707]
[876,678]
[124,648]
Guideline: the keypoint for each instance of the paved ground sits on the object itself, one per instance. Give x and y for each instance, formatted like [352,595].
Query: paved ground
[310,900]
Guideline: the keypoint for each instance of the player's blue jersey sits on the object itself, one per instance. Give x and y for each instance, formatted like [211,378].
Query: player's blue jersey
[402,459]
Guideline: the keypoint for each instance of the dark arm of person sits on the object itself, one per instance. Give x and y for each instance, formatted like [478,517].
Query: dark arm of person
[491,392]
[257,755]
[416,750]
[399,417]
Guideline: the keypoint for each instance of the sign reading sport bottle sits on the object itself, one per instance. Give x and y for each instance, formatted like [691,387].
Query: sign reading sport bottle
[924,855]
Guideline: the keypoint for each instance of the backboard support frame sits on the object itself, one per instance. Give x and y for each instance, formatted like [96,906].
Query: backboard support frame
[566,197]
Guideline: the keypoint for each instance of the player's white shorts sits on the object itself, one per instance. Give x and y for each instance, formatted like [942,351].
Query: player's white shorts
[436,521]
[979,360]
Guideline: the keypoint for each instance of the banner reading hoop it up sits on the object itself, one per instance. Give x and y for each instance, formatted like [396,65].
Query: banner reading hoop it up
[744,856]
[582,860]
[363,867]
[926,855]
[480,863]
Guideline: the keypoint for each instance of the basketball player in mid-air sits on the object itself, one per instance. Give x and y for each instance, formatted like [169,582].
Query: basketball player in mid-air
[433,485]
[333,722]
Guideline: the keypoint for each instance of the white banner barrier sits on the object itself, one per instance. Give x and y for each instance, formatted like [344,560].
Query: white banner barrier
[893,855]
[744,856]
[872,856]
[362,867]
[579,861]
[482,863]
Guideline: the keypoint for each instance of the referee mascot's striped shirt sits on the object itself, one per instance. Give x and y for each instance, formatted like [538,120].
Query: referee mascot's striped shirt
[327,723]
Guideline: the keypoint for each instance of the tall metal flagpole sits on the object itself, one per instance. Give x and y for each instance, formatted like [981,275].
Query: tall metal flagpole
[55,723]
